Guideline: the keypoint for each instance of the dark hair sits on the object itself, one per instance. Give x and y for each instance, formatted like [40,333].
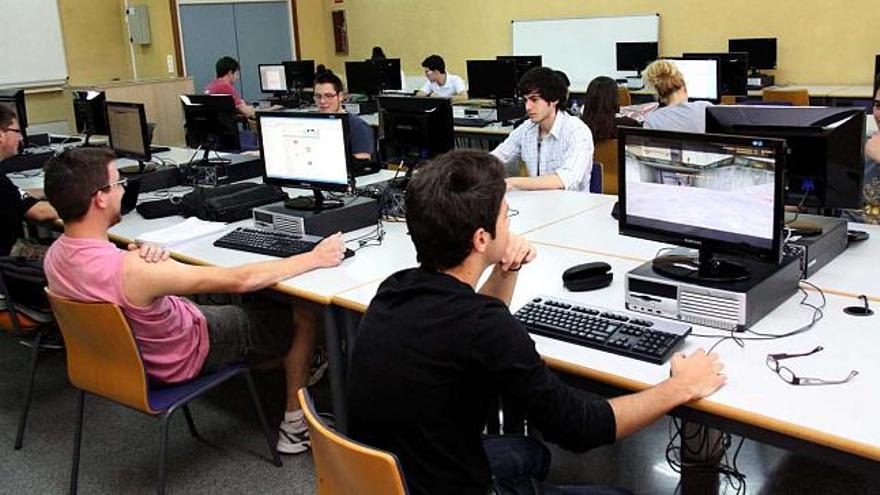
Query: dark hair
[72,177]
[451,197]
[600,108]
[378,53]
[226,65]
[561,75]
[7,115]
[435,62]
[328,77]
[545,82]
[320,68]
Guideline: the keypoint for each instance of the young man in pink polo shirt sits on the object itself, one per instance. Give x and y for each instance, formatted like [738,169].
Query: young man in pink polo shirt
[177,338]
[228,71]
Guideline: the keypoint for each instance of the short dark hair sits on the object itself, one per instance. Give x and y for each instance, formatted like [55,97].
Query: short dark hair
[377,53]
[73,176]
[435,62]
[7,115]
[545,82]
[328,77]
[451,197]
[226,65]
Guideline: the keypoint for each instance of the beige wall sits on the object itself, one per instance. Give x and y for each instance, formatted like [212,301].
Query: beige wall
[151,60]
[820,41]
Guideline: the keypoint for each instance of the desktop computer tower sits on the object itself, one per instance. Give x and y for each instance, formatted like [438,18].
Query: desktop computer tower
[356,213]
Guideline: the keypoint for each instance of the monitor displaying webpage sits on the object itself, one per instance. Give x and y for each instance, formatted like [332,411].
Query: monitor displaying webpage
[272,78]
[700,77]
[701,189]
[306,149]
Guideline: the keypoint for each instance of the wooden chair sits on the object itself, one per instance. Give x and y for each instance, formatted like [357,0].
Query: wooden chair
[796,97]
[606,154]
[624,99]
[344,466]
[103,359]
[21,280]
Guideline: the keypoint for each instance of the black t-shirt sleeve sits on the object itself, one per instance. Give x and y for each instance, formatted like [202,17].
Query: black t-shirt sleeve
[502,347]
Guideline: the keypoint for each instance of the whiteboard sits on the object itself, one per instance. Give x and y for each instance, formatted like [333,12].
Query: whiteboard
[583,48]
[32,51]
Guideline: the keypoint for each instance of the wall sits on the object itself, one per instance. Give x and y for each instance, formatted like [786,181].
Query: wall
[313,30]
[151,60]
[820,41]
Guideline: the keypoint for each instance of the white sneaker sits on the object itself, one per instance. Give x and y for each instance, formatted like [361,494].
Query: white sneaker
[319,366]
[291,439]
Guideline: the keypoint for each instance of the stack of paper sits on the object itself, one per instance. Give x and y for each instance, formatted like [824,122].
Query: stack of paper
[189,229]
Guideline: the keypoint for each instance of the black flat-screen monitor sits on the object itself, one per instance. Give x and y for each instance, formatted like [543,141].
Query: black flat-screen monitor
[363,78]
[389,73]
[415,129]
[491,79]
[635,55]
[14,99]
[716,193]
[90,113]
[300,74]
[211,122]
[701,77]
[273,78]
[521,63]
[825,166]
[733,71]
[128,131]
[306,150]
[876,79]
[762,51]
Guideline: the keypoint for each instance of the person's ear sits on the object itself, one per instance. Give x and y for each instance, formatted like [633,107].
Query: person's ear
[480,240]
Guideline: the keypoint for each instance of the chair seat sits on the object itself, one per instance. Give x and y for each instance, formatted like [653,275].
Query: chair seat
[162,396]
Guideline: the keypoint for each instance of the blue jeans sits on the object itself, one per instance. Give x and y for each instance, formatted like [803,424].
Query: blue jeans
[519,465]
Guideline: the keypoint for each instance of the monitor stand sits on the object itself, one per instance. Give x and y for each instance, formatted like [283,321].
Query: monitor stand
[140,168]
[318,202]
[704,267]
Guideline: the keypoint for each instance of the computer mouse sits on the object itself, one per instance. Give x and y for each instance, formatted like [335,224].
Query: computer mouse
[588,276]
[615,211]
[857,235]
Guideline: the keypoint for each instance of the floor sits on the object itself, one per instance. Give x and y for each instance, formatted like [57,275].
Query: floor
[120,447]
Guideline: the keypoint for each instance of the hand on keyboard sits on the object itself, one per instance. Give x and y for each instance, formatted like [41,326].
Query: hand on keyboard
[698,374]
[330,251]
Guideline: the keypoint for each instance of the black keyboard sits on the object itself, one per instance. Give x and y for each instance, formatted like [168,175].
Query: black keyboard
[470,122]
[267,242]
[646,339]
[159,149]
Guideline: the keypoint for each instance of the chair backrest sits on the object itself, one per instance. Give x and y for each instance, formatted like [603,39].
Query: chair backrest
[797,97]
[623,97]
[344,466]
[596,178]
[21,284]
[606,154]
[728,100]
[102,355]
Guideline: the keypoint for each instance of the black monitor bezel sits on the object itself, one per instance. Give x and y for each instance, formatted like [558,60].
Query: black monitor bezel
[16,97]
[724,60]
[260,76]
[362,75]
[405,104]
[772,254]
[306,184]
[522,61]
[145,154]
[215,102]
[494,90]
[309,65]
[717,77]
[85,110]
[617,47]
[752,58]
[388,70]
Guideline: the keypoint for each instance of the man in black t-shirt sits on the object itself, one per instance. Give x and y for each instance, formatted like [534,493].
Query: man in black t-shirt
[15,206]
[432,352]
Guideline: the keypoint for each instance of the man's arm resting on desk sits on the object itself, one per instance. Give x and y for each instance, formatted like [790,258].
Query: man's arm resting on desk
[41,211]
[143,282]
[247,110]
[693,377]
[543,182]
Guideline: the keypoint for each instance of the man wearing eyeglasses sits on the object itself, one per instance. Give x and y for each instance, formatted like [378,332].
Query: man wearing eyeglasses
[178,339]
[328,98]
[16,205]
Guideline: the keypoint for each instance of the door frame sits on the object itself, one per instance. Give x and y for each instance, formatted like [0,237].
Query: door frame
[174,5]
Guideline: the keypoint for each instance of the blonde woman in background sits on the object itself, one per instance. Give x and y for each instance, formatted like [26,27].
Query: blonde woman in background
[676,112]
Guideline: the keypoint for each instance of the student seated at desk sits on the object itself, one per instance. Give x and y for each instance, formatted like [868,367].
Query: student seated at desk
[177,338]
[16,205]
[439,82]
[328,98]
[433,351]
[870,212]
[228,71]
[601,108]
[677,113]
[556,147]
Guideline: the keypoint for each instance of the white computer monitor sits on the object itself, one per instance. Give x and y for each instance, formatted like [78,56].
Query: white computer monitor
[272,78]
[306,150]
[700,76]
